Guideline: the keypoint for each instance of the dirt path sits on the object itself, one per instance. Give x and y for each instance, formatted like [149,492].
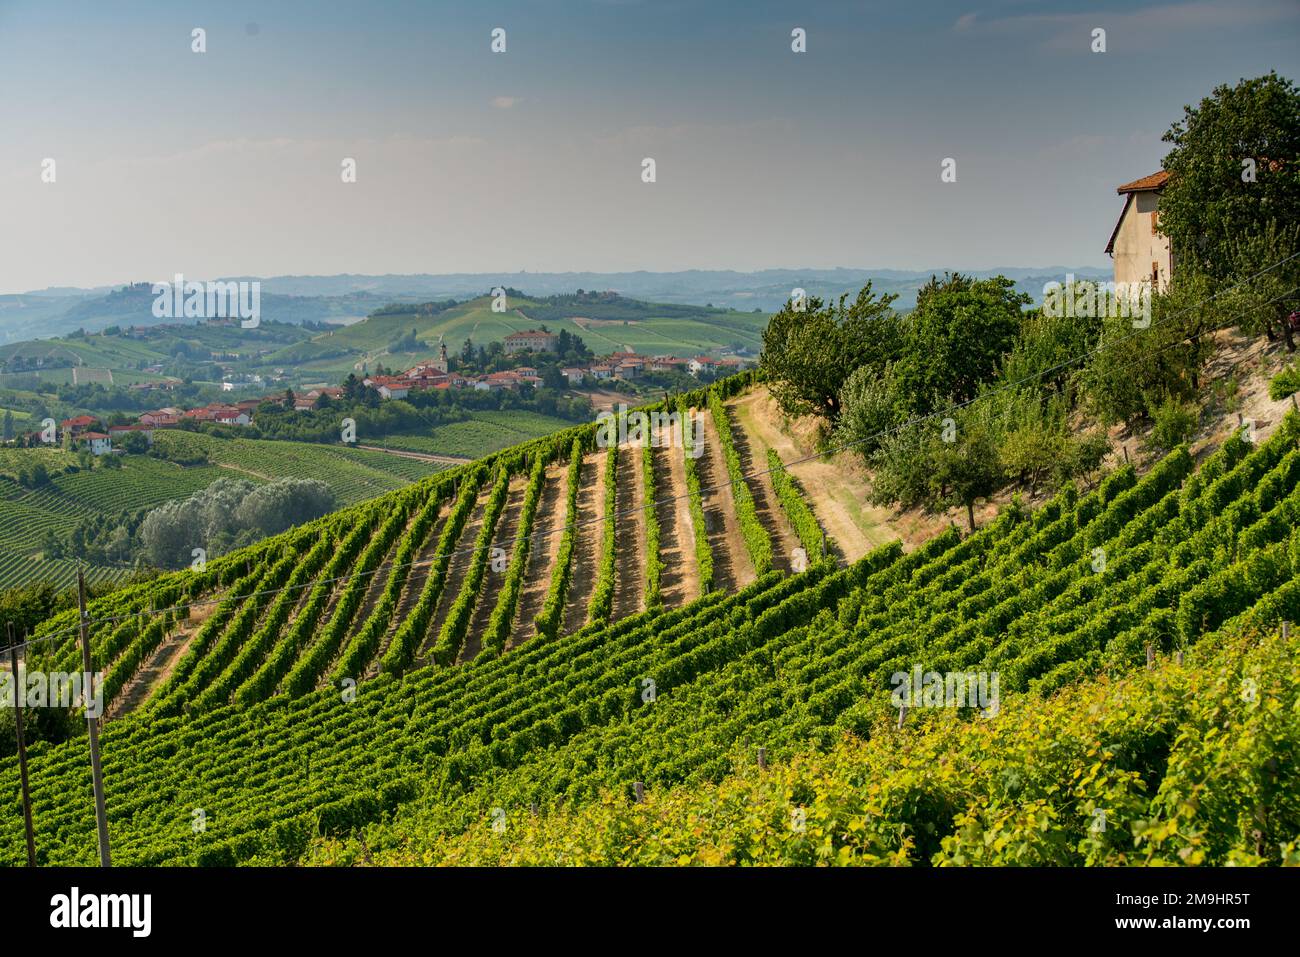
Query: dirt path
[160,665]
[732,569]
[753,462]
[503,537]
[629,534]
[459,564]
[680,582]
[548,529]
[422,456]
[586,553]
[835,486]
[411,588]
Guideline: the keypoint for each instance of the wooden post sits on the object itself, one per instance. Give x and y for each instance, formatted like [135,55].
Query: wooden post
[92,725]
[1125,448]
[639,788]
[902,713]
[1151,656]
[762,759]
[1286,630]
[533,809]
[1179,657]
[22,749]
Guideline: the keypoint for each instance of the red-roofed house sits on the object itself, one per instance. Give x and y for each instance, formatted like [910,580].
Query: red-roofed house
[161,419]
[100,443]
[533,340]
[78,424]
[1141,253]
[117,431]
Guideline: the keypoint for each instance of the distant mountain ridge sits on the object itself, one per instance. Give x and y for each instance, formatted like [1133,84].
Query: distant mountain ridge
[343,298]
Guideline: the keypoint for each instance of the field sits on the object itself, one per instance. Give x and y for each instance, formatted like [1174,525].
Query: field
[27,514]
[368,341]
[522,638]
[353,474]
[485,433]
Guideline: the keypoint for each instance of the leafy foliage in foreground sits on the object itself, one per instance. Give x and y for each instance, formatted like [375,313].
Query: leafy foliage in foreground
[1182,765]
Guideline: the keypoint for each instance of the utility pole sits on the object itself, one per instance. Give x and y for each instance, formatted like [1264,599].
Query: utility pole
[92,723]
[22,748]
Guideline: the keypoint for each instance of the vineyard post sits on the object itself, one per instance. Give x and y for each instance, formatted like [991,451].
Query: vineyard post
[92,724]
[639,788]
[1151,656]
[902,713]
[762,759]
[1286,630]
[22,748]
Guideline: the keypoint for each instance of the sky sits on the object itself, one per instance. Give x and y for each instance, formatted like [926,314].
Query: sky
[229,162]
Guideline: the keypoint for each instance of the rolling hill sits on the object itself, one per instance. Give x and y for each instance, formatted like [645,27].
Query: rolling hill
[74,494]
[564,624]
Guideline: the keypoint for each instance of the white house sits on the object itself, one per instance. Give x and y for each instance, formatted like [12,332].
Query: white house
[100,444]
[1142,254]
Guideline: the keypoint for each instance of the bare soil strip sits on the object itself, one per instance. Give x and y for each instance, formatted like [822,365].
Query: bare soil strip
[161,663]
[503,537]
[548,529]
[460,559]
[732,569]
[629,534]
[422,456]
[586,554]
[680,583]
[753,461]
[415,579]
[836,486]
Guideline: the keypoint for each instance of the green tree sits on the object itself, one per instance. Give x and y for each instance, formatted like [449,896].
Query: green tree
[808,355]
[8,425]
[1210,200]
[957,337]
[1135,369]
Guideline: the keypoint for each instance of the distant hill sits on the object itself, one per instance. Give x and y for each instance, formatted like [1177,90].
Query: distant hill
[347,298]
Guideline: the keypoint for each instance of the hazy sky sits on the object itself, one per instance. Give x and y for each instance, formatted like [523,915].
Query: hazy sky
[228,162]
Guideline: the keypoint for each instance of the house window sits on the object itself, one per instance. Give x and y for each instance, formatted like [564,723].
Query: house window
[1155,274]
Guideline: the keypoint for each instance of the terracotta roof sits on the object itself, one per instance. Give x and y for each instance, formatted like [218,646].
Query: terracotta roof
[1154,181]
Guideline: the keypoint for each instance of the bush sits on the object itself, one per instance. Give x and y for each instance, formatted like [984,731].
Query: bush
[1173,423]
[1285,383]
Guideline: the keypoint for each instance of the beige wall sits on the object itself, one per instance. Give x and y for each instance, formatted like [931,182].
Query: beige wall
[1137,245]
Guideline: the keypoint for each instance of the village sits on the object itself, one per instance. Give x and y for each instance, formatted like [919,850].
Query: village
[623,366]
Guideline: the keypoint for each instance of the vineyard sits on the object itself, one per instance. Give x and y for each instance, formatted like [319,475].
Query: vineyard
[27,515]
[529,634]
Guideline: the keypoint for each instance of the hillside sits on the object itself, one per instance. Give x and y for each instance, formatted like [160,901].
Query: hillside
[1075,762]
[72,495]
[580,658]
[606,325]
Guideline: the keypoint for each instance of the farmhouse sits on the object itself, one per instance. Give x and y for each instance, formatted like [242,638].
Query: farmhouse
[100,443]
[162,418]
[1140,252]
[117,431]
[78,424]
[533,340]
